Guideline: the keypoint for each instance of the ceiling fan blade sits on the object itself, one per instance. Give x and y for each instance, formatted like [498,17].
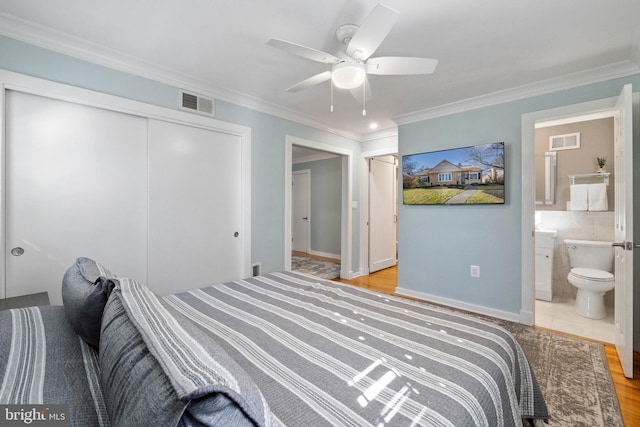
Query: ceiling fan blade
[357,92]
[398,65]
[305,52]
[372,32]
[311,81]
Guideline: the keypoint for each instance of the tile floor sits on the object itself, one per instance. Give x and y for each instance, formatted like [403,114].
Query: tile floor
[560,315]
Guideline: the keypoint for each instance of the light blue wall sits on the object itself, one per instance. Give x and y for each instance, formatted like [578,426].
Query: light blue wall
[437,244]
[268,158]
[268,136]
[326,202]
[38,62]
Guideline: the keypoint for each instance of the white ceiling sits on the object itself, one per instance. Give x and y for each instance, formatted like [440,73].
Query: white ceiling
[217,47]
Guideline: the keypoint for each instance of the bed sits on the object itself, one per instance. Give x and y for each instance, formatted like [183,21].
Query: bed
[279,349]
[325,353]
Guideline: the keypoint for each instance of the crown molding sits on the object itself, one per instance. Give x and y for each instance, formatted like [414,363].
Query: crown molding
[380,134]
[60,42]
[635,51]
[568,81]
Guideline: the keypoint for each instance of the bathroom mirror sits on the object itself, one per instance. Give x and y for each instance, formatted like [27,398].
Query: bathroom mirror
[545,167]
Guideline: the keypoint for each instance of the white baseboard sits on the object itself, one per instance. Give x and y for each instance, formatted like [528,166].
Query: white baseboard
[500,314]
[324,254]
[544,295]
[349,275]
[526,317]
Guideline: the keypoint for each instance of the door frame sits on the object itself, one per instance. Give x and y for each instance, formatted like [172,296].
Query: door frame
[21,83]
[308,173]
[598,108]
[364,201]
[346,239]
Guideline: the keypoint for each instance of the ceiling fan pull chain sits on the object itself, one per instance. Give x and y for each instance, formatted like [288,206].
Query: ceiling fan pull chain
[364,99]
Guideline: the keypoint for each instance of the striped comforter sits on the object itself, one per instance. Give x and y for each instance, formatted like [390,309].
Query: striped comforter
[324,353]
[44,361]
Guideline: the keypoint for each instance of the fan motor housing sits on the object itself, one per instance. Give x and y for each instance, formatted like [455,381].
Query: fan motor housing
[345,33]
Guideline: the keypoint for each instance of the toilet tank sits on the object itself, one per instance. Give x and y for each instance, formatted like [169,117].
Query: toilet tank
[590,254]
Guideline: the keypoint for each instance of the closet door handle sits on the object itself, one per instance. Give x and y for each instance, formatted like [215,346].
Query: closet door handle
[17,251]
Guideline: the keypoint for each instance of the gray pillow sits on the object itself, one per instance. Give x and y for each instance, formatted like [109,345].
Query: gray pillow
[85,290]
[158,368]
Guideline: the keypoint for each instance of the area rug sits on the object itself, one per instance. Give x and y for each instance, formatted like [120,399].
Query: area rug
[316,267]
[574,377]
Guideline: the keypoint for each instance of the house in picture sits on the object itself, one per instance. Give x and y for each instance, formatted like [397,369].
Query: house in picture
[446,173]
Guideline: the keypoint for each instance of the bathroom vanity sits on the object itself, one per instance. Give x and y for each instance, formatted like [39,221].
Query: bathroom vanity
[545,242]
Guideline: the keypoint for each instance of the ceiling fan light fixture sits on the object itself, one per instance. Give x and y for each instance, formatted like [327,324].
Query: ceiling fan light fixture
[348,75]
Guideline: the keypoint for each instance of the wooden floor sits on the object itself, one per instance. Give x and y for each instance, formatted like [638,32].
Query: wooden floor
[628,390]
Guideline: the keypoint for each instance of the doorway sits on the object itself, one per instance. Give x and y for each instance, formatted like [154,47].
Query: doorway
[383,212]
[365,203]
[316,193]
[559,170]
[622,107]
[343,221]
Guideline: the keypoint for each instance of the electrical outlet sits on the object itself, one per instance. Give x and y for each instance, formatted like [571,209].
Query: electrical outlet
[475,271]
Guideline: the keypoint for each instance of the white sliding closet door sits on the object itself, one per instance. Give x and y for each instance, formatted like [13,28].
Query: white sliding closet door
[75,186]
[195,207]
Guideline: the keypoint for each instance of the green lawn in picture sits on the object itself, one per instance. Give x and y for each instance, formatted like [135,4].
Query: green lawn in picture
[482,197]
[431,196]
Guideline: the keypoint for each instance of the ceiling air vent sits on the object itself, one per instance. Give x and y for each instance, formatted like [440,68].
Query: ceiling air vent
[197,103]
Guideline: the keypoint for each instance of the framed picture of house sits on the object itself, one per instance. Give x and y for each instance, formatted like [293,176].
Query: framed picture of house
[460,176]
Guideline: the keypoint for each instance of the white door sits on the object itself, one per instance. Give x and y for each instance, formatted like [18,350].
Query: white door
[382,213]
[301,210]
[623,144]
[75,186]
[195,207]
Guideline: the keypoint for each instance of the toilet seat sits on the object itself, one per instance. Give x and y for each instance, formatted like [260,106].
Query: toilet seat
[592,274]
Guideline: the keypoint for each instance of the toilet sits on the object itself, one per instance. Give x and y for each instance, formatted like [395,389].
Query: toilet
[591,265]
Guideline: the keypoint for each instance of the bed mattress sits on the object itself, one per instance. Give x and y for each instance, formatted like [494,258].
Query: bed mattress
[325,353]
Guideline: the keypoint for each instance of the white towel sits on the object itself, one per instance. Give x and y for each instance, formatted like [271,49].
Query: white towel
[579,197]
[597,197]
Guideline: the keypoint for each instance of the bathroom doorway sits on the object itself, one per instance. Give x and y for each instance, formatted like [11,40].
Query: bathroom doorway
[558,217]
[621,107]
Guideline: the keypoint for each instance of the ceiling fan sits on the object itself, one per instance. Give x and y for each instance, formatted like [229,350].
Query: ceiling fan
[351,65]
